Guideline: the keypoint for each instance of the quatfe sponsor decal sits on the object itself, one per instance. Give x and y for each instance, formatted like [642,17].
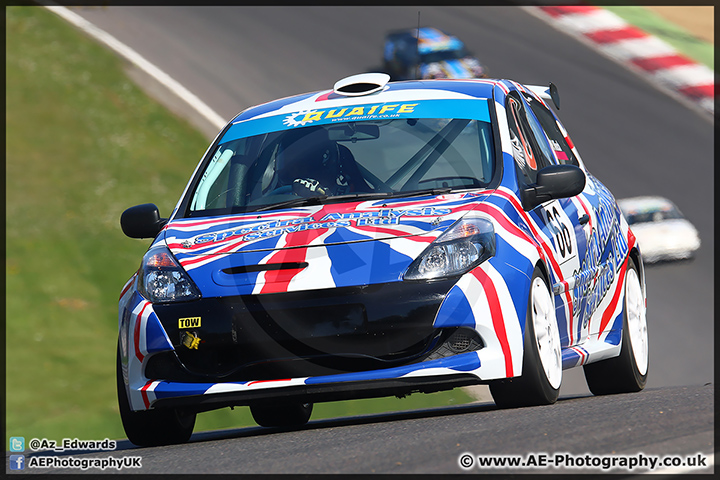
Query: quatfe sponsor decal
[359,112]
[331,220]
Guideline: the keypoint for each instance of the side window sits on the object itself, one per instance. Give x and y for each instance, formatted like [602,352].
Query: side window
[529,157]
[555,134]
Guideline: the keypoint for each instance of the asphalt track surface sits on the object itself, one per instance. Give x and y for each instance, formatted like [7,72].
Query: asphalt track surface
[634,137]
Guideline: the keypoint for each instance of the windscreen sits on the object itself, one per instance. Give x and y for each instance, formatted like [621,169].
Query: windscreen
[444,56]
[339,160]
[649,216]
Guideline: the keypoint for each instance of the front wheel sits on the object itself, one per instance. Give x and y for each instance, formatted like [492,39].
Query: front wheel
[627,372]
[541,376]
[152,427]
[282,415]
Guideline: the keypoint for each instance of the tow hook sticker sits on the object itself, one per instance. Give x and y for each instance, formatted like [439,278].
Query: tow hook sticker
[190,340]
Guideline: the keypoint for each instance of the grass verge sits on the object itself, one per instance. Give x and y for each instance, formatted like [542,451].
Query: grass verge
[679,38]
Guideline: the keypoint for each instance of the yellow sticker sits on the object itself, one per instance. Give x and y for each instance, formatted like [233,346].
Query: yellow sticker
[190,341]
[189,322]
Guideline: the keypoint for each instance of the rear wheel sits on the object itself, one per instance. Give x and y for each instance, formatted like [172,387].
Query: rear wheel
[542,360]
[282,415]
[152,427]
[628,371]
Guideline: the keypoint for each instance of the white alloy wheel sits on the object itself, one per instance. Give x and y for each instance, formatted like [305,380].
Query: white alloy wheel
[628,371]
[636,320]
[539,383]
[547,335]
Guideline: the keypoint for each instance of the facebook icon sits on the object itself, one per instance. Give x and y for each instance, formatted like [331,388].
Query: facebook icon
[17,462]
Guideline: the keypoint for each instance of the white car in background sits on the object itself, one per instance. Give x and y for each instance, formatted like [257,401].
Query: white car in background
[661,229]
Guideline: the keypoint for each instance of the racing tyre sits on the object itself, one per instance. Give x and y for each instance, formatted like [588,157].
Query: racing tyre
[152,427]
[542,360]
[627,372]
[282,415]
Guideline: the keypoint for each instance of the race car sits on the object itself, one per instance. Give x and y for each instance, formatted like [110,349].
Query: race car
[379,239]
[662,230]
[428,52]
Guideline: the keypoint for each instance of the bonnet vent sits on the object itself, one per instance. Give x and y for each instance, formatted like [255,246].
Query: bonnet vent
[361,84]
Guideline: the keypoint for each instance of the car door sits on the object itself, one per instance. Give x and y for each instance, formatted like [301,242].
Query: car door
[560,221]
[605,246]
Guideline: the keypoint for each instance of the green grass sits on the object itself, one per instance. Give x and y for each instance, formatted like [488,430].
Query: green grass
[83,144]
[682,40]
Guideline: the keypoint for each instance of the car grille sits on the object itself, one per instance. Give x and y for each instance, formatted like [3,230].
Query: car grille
[298,334]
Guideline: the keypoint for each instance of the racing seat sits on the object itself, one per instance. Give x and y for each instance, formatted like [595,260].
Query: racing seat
[305,153]
[312,155]
[349,168]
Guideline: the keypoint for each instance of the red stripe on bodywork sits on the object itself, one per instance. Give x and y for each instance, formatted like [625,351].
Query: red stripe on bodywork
[545,248]
[128,285]
[582,354]
[569,142]
[234,244]
[585,209]
[143,392]
[323,97]
[394,233]
[279,280]
[510,227]
[136,333]
[607,315]
[265,381]
[548,253]
[497,317]
[631,239]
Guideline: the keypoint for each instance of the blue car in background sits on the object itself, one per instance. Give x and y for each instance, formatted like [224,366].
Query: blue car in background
[429,52]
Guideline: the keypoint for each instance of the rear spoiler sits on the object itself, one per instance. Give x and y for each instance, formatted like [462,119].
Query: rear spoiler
[546,93]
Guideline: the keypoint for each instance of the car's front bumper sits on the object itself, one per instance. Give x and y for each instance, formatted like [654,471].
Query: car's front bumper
[426,379]
[322,345]
[388,339]
[300,334]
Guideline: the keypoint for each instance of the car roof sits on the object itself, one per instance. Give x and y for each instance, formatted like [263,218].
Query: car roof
[470,89]
[647,203]
[431,39]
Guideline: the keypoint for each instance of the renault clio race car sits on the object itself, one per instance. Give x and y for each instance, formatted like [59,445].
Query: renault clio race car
[377,239]
[428,53]
[665,233]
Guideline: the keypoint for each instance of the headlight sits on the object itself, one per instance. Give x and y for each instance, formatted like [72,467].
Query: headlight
[161,278]
[463,246]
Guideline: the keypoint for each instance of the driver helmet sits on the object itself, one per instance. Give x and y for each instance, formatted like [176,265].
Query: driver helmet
[307,153]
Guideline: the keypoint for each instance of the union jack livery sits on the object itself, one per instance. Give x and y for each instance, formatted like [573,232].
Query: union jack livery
[377,239]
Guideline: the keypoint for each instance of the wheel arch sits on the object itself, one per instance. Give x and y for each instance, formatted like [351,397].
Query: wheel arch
[545,272]
[636,257]
[540,265]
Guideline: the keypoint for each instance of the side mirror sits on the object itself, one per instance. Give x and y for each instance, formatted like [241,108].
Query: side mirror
[554,181]
[142,221]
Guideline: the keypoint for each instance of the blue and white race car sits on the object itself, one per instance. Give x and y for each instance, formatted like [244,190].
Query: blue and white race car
[428,53]
[377,239]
